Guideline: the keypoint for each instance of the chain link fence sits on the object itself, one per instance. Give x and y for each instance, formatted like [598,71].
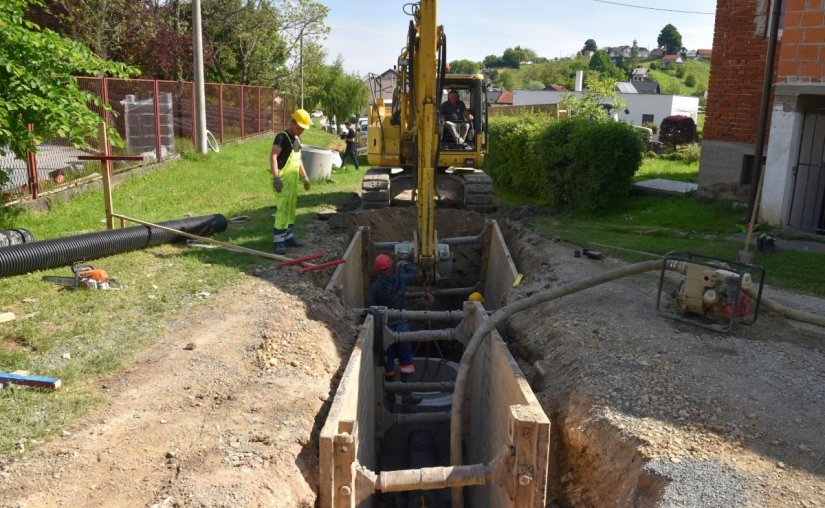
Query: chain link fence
[155,119]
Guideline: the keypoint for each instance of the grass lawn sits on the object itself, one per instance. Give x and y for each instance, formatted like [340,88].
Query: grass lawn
[83,335]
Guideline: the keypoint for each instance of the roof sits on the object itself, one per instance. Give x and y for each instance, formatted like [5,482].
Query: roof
[493,95]
[641,70]
[555,88]
[646,87]
[506,98]
[626,87]
[670,58]
[704,52]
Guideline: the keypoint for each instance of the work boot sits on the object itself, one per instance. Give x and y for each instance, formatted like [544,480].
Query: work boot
[280,250]
[294,243]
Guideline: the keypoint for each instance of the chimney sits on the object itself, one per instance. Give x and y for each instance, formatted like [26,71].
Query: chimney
[579,80]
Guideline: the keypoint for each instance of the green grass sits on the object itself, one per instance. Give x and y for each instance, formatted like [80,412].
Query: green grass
[670,84]
[670,170]
[102,330]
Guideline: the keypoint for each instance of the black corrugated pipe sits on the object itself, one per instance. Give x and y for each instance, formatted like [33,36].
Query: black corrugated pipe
[29,257]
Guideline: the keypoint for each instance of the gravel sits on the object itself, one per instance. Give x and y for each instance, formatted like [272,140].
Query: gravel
[699,483]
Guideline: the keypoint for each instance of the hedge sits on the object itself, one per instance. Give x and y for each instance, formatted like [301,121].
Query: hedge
[574,164]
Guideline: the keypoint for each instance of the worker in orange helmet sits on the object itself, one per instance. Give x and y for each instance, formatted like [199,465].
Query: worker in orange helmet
[286,166]
[389,290]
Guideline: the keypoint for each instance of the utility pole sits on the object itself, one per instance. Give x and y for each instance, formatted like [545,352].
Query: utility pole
[199,115]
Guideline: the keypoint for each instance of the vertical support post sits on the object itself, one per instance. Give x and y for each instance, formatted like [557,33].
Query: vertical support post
[105,166]
[194,120]
[158,143]
[530,436]
[344,448]
[243,111]
[259,109]
[220,110]
[31,167]
[284,118]
[272,110]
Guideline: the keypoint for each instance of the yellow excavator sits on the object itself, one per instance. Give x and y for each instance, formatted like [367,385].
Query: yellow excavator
[412,153]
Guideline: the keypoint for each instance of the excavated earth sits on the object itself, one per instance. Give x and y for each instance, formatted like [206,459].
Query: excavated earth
[225,410]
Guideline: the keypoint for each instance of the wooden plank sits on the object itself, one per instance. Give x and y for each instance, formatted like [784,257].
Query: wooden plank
[501,271]
[344,448]
[530,434]
[35,381]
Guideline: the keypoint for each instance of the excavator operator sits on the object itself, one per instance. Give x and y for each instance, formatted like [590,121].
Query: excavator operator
[457,119]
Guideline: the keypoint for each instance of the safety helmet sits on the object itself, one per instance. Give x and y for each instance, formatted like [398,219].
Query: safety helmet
[301,117]
[476,297]
[383,263]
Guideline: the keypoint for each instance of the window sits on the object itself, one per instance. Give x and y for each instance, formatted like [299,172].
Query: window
[647,119]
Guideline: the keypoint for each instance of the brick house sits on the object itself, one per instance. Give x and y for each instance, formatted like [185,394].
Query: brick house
[794,175]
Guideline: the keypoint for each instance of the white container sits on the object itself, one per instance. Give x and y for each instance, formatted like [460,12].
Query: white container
[317,162]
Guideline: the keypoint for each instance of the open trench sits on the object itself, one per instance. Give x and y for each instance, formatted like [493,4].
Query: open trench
[591,461]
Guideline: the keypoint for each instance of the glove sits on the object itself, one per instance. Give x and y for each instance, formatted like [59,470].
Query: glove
[306,184]
[277,184]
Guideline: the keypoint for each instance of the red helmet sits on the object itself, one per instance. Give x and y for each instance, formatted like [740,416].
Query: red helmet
[383,263]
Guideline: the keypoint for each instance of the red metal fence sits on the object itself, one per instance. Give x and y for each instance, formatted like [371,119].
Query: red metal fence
[154,119]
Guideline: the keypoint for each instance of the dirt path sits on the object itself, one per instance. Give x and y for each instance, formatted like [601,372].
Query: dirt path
[225,409]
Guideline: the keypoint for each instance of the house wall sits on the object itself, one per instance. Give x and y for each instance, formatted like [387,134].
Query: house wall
[800,88]
[740,46]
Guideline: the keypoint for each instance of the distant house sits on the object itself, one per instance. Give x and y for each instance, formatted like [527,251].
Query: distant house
[672,59]
[492,96]
[641,107]
[703,54]
[639,74]
[689,55]
[658,53]
[793,189]
[383,87]
[626,52]
[647,87]
[505,99]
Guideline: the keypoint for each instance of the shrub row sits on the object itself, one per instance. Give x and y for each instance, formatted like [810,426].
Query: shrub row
[575,164]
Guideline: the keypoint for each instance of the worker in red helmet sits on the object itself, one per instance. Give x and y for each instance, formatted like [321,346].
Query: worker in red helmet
[389,290]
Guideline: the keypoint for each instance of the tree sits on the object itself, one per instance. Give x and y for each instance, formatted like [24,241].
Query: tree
[339,94]
[600,62]
[589,45]
[670,39]
[465,67]
[505,80]
[597,101]
[534,85]
[302,22]
[492,62]
[37,84]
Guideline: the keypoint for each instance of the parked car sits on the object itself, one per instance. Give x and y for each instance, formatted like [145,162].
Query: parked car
[317,113]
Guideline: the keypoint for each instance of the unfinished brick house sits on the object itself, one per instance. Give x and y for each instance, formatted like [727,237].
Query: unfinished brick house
[794,182]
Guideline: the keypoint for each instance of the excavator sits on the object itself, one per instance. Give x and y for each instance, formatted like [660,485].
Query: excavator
[411,152]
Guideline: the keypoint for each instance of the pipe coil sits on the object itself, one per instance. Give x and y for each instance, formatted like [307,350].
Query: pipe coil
[30,257]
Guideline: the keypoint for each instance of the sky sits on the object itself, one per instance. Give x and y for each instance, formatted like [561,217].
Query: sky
[369,34]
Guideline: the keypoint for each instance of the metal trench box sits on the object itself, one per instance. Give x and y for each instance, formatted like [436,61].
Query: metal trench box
[505,432]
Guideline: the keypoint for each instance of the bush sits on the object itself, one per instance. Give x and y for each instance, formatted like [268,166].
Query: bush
[691,152]
[677,130]
[654,66]
[680,72]
[575,164]
[652,126]
[690,80]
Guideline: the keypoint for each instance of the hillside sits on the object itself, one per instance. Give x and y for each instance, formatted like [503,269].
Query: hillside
[671,82]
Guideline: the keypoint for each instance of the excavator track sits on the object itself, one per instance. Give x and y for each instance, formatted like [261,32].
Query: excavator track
[478,191]
[375,189]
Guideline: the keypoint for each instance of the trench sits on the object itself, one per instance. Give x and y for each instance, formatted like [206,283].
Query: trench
[590,462]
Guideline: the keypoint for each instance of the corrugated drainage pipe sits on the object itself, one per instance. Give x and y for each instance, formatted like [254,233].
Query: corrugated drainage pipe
[29,257]
[15,236]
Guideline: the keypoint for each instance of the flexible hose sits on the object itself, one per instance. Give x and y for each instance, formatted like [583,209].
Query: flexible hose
[30,257]
[783,310]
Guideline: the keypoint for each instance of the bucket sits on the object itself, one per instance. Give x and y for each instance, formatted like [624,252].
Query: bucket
[15,237]
[317,162]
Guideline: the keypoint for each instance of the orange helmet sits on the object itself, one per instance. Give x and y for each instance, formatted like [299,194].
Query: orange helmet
[383,263]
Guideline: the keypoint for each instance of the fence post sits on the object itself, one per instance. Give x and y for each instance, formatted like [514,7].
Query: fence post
[106,166]
[194,121]
[158,145]
[272,110]
[243,112]
[259,110]
[31,167]
[284,117]
[220,110]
